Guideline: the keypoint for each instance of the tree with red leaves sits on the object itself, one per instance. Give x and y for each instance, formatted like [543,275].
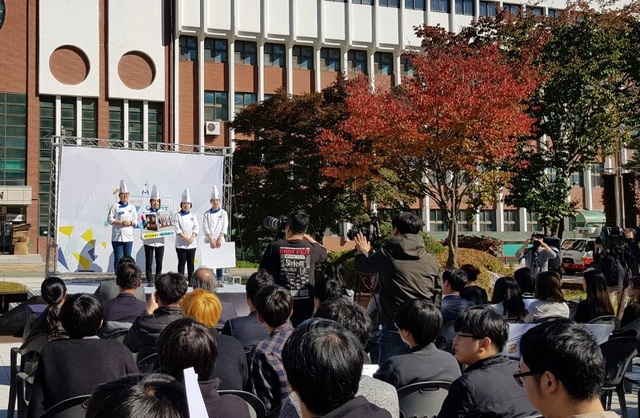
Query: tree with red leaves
[445,132]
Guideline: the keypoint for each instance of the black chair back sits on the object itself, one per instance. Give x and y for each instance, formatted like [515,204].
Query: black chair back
[422,399]
[148,364]
[75,407]
[606,319]
[256,406]
[618,354]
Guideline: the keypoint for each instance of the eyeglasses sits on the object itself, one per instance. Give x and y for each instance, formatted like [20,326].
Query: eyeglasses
[519,376]
[460,336]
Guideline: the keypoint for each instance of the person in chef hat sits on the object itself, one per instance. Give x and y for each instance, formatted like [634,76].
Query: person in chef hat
[153,246]
[123,217]
[187,228]
[215,224]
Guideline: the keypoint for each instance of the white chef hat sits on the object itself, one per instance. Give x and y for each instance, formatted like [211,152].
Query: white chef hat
[186,196]
[123,187]
[155,194]
[215,193]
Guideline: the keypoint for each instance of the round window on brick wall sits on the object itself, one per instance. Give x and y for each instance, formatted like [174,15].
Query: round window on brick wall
[2,13]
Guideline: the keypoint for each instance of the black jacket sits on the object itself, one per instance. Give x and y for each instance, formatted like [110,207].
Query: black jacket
[231,365]
[487,389]
[123,308]
[246,329]
[358,407]
[143,334]
[225,406]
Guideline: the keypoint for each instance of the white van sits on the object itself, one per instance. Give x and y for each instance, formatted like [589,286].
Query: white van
[577,254]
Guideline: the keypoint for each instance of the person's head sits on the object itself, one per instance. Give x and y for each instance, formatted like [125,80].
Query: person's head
[274,305]
[215,204]
[255,282]
[81,315]
[323,362]
[53,290]
[507,292]
[407,223]
[421,318]
[128,276]
[348,314]
[205,278]
[326,288]
[503,286]
[154,395]
[170,288]
[480,333]
[525,279]
[455,278]
[549,287]
[203,306]
[297,222]
[126,259]
[565,366]
[597,294]
[155,203]
[536,239]
[187,343]
[185,206]
[472,273]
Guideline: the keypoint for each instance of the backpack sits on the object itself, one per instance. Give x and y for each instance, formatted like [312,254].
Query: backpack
[614,268]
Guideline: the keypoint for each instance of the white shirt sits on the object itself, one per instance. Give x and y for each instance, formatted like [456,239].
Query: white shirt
[215,224]
[542,309]
[119,212]
[187,224]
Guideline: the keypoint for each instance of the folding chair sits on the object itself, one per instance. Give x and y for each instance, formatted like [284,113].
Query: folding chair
[75,407]
[29,353]
[256,406]
[618,354]
[422,399]
[606,319]
[148,364]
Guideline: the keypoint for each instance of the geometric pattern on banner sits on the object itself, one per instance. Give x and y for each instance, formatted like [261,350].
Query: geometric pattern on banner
[88,235]
[61,259]
[66,230]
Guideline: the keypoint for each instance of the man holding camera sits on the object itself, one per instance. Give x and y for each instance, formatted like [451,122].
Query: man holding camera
[292,261]
[538,255]
[406,271]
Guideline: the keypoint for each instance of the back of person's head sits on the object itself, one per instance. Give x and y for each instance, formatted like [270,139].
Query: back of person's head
[348,314]
[81,315]
[507,292]
[205,278]
[53,291]
[483,321]
[187,343]
[472,272]
[525,279]
[128,275]
[323,362]
[457,279]
[274,305]
[298,222]
[421,318]
[407,223]
[549,287]
[570,352]
[203,306]
[326,288]
[154,395]
[257,281]
[170,287]
[598,299]
[126,259]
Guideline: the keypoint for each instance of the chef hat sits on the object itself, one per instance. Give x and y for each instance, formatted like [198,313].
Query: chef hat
[186,196]
[154,193]
[215,193]
[123,187]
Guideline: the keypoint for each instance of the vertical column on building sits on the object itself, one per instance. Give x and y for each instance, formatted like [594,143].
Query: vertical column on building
[476,9]
[500,212]
[316,48]
[427,14]
[58,121]
[522,213]
[476,222]
[145,125]
[201,91]
[79,120]
[176,73]
[452,14]
[125,122]
[588,190]
[371,64]
[231,89]
[289,67]
[426,213]
[264,20]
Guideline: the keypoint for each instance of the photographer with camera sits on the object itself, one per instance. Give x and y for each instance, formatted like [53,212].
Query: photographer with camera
[292,261]
[406,271]
[538,255]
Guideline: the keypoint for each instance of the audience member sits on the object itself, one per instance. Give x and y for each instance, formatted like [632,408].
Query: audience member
[247,329]
[323,362]
[54,293]
[550,300]
[453,281]
[486,387]
[329,286]
[538,255]
[562,370]
[632,311]
[597,302]
[274,306]
[187,343]
[507,301]
[170,289]
[125,307]
[78,365]
[472,291]
[205,278]
[152,395]
[527,284]
[108,289]
[231,368]
[419,322]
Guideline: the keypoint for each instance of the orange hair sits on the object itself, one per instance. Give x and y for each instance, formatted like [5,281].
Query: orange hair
[203,306]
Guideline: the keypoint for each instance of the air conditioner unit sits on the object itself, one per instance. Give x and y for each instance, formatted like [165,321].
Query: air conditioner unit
[212,128]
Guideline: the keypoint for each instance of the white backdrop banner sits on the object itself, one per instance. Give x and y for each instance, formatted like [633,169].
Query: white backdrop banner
[88,186]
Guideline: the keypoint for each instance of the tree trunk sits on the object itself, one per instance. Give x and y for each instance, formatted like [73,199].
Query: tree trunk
[452,259]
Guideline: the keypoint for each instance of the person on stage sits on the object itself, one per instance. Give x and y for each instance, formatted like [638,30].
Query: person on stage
[187,229]
[123,217]
[153,245]
[215,224]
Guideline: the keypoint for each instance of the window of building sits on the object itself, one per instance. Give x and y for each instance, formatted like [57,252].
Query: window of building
[487,220]
[553,13]
[414,4]
[436,222]
[274,55]
[357,61]
[330,59]
[2,10]
[245,53]
[390,3]
[47,130]
[464,7]
[488,8]
[440,6]
[243,100]
[215,50]
[406,66]
[384,63]
[188,48]
[302,57]
[155,124]
[89,118]
[135,121]
[537,11]
[463,224]
[577,179]
[116,120]
[511,220]
[338,1]
[597,171]
[68,116]
[13,139]
[216,105]
[362,2]
[514,9]
[532,222]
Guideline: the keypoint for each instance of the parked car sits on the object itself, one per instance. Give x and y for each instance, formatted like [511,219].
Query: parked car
[577,254]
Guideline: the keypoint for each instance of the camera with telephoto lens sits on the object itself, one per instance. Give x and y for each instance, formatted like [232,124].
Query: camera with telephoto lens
[275,224]
[371,231]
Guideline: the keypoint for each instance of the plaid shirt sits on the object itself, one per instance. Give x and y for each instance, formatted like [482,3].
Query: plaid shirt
[266,370]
